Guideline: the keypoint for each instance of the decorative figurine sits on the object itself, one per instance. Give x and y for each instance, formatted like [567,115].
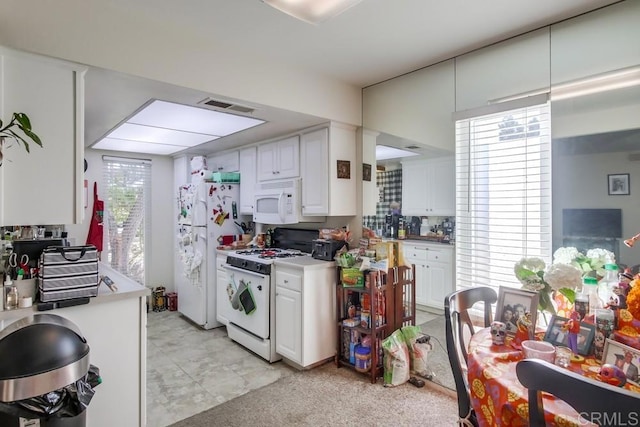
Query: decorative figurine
[572,326]
[524,331]
[498,332]
[613,375]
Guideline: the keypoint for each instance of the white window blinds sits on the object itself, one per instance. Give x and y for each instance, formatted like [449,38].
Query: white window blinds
[126,219]
[503,194]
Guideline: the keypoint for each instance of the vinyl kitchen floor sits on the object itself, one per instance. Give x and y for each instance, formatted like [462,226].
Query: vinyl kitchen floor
[190,369]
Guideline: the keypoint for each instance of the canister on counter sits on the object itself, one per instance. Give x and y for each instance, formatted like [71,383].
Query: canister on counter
[604,319]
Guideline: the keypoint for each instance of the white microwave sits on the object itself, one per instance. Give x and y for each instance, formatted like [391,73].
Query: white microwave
[278,202]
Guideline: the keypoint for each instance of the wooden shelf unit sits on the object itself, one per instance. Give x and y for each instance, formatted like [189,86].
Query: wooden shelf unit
[392,297]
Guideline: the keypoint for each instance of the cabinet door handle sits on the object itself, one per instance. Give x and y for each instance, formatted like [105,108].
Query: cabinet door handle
[286,281]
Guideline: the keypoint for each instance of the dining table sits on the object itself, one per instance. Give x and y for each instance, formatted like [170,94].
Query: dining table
[497,396]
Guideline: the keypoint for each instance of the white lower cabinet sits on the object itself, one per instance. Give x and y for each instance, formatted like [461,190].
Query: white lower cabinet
[305,307]
[434,271]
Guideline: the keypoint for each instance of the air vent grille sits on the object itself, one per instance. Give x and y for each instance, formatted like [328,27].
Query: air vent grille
[227,106]
[412,147]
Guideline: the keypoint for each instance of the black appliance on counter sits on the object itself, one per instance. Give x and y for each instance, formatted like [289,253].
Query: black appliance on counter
[325,249]
[392,223]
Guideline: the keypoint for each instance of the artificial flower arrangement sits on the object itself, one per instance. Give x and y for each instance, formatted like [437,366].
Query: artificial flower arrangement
[564,275]
[593,261]
[559,277]
[633,299]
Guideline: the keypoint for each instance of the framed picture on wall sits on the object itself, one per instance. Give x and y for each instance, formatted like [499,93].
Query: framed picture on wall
[619,184]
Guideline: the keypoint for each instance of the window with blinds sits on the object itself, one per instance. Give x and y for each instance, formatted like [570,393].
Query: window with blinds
[503,193]
[126,224]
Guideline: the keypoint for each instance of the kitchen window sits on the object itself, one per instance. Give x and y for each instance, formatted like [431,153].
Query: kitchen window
[503,190]
[126,220]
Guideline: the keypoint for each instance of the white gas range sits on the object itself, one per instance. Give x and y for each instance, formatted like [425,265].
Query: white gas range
[251,297]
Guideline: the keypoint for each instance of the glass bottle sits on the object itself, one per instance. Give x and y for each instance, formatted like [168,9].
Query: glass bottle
[608,283]
[590,289]
[12,297]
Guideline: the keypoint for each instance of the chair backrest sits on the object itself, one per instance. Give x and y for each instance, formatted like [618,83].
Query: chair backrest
[597,402]
[458,329]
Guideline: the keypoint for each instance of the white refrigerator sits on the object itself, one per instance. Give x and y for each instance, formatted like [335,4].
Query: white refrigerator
[207,211]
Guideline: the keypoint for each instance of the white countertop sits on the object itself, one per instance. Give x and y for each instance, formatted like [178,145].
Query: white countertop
[304,262]
[127,288]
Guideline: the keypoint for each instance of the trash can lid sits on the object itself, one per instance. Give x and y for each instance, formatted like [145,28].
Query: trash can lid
[47,352]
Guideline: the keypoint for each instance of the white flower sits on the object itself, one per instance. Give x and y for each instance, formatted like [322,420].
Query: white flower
[560,276]
[600,256]
[533,264]
[565,255]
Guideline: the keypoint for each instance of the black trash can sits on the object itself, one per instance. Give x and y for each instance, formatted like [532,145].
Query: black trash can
[45,375]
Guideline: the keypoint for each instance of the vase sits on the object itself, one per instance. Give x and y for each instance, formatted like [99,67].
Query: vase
[563,306]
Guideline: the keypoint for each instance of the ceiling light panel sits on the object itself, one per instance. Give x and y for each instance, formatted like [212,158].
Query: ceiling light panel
[384,152]
[312,11]
[192,119]
[136,146]
[143,133]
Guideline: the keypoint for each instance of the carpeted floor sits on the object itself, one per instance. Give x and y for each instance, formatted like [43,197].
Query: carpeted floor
[438,359]
[328,396]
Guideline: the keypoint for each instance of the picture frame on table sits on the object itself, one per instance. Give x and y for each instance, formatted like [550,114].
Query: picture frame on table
[559,337]
[512,303]
[618,184]
[624,357]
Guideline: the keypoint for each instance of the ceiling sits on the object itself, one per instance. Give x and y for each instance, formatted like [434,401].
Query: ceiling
[371,42]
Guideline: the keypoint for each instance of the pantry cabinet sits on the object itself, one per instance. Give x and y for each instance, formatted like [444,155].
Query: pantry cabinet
[434,264]
[304,310]
[428,187]
[44,186]
[279,159]
[225,162]
[248,179]
[328,161]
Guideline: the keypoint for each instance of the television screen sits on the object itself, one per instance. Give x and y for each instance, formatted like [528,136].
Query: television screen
[592,222]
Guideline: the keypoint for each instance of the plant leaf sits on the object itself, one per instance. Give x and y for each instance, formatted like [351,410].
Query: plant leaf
[23,120]
[570,294]
[33,136]
[545,304]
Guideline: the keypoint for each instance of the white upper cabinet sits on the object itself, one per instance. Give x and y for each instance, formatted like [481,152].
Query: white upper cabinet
[226,162]
[45,186]
[328,163]
[248,179]
[428,187]
[279,159]
[415,106]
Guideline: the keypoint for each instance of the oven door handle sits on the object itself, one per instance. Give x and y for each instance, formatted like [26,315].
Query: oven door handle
[240,270]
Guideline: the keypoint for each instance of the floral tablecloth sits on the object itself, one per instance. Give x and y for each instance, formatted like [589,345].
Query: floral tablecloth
[498,397]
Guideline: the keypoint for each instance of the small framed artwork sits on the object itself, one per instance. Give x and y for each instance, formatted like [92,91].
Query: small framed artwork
[366,172]
[624,357]
[557,334]
[514,303]
[344,169]
[619,184]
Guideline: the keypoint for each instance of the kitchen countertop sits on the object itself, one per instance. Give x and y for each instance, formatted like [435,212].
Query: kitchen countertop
[304,262]
[127,288]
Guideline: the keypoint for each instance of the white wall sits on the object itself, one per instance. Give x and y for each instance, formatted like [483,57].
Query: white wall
[106,35]
[161,249]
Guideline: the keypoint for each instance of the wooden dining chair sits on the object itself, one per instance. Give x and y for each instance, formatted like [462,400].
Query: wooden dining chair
[458,330]
[597,402]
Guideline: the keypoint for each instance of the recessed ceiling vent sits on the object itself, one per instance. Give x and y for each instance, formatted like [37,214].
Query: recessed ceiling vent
[226,106]
[412,147]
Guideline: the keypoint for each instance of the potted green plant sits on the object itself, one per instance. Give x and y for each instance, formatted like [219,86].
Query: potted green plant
[19,129]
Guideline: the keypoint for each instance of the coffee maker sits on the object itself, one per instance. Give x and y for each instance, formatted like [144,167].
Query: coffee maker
[392,223]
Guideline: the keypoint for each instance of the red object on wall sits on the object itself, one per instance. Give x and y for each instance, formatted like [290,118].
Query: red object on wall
[172,301]
[96,231]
